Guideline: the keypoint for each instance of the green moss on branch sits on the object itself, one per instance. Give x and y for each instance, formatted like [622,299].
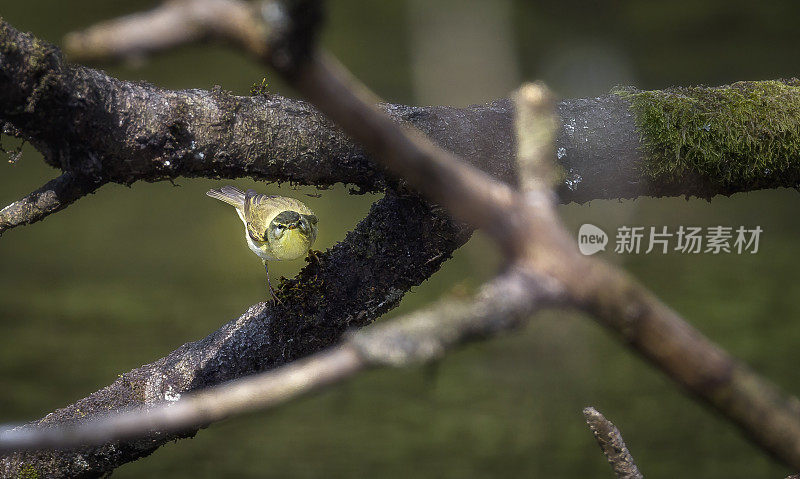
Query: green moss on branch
[738,137]
[27,472]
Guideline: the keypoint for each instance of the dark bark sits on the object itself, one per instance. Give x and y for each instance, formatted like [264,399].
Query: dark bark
[111,130]
[397,246]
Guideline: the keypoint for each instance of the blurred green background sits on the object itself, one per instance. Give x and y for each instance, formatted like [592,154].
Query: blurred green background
[129,274]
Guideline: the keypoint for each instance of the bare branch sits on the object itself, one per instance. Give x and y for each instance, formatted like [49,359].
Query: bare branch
[528,230]
[765,413]
[611,443]
[193,410]
[170,25]
[418,337]
[501,305]
[54,196]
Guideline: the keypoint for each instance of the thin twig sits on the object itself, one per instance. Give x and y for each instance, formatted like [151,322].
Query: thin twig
[416,338]
[55,195]
[167,26]
[196,409]
[613,446]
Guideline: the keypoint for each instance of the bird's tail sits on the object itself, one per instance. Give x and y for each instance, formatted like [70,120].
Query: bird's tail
[229,194]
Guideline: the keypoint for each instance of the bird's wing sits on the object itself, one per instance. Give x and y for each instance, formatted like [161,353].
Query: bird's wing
[258,212]
[229,194]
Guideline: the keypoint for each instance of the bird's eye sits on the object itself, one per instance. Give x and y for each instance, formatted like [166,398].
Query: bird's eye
[281,227]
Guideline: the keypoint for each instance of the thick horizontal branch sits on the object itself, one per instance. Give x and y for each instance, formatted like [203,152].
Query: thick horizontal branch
[697,140]
[419,337]
[124,131]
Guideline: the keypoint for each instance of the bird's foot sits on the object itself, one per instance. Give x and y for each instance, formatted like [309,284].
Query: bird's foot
[275,298]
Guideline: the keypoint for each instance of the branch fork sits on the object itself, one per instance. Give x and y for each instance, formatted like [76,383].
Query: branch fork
[544,268]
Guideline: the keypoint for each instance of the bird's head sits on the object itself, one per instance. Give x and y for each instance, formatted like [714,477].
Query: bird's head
[292,232]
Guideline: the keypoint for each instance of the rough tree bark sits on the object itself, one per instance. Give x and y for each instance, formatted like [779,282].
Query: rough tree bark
[400,244]
[101,129]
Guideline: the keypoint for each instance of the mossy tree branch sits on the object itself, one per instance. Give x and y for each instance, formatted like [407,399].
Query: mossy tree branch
[170,141]
[746,133]
[400,243]
[108,130]
[533,239]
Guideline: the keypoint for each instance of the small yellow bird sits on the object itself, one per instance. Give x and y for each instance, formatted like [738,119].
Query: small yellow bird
[276,228]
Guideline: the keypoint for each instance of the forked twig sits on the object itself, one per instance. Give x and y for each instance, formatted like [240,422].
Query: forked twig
[543,265]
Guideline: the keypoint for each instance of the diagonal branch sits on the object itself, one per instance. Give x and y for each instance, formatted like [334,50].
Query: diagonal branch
[765,413]
[193,410]
[468,193]
[419,337]
[770,416]
[400,243]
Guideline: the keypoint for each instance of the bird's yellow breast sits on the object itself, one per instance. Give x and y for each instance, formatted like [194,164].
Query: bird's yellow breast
[292,245]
